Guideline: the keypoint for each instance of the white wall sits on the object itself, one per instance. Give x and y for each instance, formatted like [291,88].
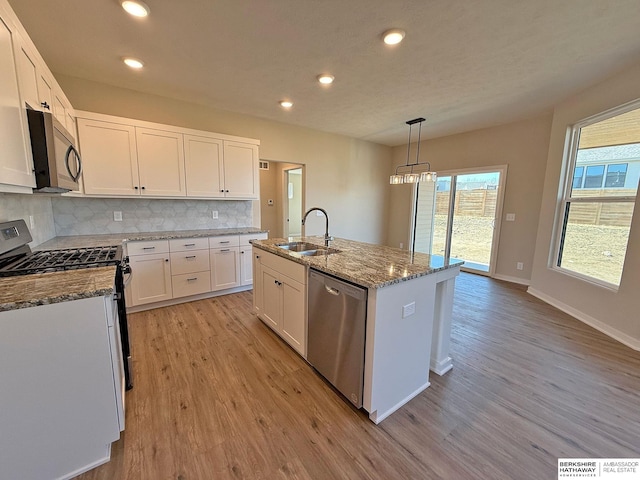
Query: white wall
[15,206]
[617,313]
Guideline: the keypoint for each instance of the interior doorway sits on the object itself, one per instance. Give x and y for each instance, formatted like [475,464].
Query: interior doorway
[282,195]
[467,216]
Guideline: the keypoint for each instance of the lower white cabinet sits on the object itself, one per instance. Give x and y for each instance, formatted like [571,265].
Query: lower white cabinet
[150,278]
[246,256]
[225,268]
[280,290]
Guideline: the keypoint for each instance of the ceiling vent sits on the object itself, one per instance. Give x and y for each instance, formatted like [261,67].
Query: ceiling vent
[264,165]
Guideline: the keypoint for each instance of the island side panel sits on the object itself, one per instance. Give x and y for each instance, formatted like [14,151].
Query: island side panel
[441,362]
[398,349]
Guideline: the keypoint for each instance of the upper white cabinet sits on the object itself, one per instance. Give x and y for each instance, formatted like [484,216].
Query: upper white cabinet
[160,163]
[109,158]
[16,165]
[130,157]
[240,170]
[27,74]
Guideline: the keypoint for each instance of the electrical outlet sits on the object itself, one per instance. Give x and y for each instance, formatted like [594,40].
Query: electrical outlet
[409,310]
[32,222]
[519,265]
[117,216]
[401,245]
[214,214]
[511,217]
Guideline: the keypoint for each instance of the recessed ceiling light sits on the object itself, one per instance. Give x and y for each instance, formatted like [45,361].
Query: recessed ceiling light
[134,63]
[135,8]
[326,79]
[286,104]
[393,36]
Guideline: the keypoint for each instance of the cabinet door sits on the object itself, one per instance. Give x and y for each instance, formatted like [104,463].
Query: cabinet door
[246,265]
[240,170]
[257,284]
[293,314]
[16,165]
[61,109]
[108,157]
[27,76]
[203,167]
[150,278]
[271,298]
[45,91]
[160,162]
[225,268]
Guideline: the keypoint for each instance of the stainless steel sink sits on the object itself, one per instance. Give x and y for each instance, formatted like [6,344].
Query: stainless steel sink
[307,249]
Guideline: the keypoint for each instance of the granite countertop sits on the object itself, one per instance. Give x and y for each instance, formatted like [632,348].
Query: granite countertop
[365,264]
[25,291]
[78,241]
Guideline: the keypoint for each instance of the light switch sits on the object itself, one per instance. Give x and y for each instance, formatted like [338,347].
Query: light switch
[511,217]
[214,214]
[117,216]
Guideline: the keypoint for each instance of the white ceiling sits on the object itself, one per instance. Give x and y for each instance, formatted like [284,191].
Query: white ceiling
[464,64]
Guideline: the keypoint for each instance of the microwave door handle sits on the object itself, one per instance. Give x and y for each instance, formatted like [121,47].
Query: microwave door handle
[78,163]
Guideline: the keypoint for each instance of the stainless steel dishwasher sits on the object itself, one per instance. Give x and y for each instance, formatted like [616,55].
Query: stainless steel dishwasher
[336,333]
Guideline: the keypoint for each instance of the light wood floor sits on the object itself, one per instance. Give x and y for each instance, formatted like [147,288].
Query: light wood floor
[218,396]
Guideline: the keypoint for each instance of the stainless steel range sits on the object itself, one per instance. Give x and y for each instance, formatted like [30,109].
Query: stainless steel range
[16,258]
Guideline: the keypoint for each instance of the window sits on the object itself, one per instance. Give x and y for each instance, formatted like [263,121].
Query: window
[598,196]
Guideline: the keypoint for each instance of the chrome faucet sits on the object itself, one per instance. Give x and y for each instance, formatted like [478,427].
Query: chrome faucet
[327,237]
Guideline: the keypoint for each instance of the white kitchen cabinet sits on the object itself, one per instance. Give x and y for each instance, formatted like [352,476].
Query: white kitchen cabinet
[225,268]
[203,167]
[27,74]
[16,164]
[59,409]
[150,278]
[190,268]
[246,256]
[258,297]
[281,303]
[109,158]
[160,162]
[240,170]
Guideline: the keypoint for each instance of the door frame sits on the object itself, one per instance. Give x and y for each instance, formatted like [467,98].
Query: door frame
[498,214]
[285,196]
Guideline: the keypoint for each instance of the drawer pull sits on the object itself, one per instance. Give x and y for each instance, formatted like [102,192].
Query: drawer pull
[226,241]
[192,279]
[190,256]
[148,248]
[189,244]
[226,250]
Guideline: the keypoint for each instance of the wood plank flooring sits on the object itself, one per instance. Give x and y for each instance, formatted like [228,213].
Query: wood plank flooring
[218,396]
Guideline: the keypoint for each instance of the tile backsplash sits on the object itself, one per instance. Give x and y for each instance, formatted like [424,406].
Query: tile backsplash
[87,216]
[36,211]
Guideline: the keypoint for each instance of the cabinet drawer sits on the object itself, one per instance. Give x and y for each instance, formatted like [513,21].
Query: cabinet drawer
[145,248]
[191,284]
[187,244]
[281,265]
[224,241]
[246,237]
[189,262]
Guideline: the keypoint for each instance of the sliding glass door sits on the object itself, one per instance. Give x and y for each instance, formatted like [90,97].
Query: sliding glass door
[467,216]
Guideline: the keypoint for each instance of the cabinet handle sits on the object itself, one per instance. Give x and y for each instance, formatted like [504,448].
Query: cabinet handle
[226,241]
[277,282]
[148,248]
[189,244]
[45,105]
[166,259]
[192,279]
[225,250]
[257,256]
[242,252]
[190,256]
[221,191]
[142,188]
[135,188]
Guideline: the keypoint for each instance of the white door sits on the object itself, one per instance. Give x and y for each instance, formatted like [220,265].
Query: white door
[150,278]
[109,158]
[225,268]
[271,297]
[160,162]
[240,170]
[257,284]
[246,265]
[293,315]
[27,76]
[16,165]
[203,167]
[45,92]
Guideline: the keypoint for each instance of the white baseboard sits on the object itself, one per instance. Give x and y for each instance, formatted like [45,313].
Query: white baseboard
[508,278]
[191,298]
[608,330]
[376,417]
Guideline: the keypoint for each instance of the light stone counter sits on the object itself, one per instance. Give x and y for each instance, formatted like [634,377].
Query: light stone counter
[25,291]
[365,264]
[78,241]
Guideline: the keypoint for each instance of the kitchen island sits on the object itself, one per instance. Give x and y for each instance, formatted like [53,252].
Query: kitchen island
[409,308]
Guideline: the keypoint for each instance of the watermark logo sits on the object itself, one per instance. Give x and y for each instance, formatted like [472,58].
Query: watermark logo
[599,468]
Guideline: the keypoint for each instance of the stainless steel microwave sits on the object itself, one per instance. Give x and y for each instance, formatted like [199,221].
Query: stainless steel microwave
[56,161]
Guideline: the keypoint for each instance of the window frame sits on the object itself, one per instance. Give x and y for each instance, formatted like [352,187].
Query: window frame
[565,189]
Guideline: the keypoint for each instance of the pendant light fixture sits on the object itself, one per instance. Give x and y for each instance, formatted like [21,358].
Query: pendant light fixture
[423,171]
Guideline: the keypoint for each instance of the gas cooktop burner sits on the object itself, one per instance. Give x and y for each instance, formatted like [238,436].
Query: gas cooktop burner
[67,259]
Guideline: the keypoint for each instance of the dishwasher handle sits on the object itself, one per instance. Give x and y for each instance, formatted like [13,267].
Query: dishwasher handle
[332,291]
